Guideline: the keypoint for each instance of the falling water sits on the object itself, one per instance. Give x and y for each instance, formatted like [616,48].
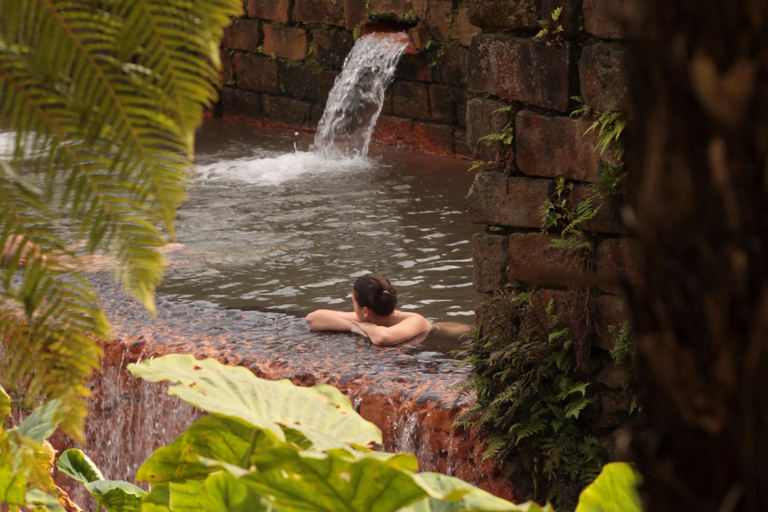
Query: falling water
[355,102]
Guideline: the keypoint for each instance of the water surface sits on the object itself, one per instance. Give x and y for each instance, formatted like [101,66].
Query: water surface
[269,225]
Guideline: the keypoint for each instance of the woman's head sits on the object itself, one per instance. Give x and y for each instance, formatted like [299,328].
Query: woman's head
[375,293]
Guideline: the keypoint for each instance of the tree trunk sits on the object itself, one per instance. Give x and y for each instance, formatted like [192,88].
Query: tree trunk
[698,157]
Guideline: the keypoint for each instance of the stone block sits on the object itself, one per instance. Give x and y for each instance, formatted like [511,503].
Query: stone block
[465,26]
[330,47]
[607,219]
[612,402]
[285,42]
[433,138]
[602,77]
[461,147]
[416,67]
[441,20]
[240,103]
[532,260]
[611,376]
[482,120]
[569,18]
[419,37]
[410,99]
[497,199]
[504,14]
[276,10]
[329,12]
[526,70]
[490,259]
[555,146]
[611,316]
[614,260]
[453,65]
[391,9]
[242,34]
[393,130]
[286,111]
[255,73]
[443,103]
[227,75]
[297,81]
[355,13]
[386,107]
[607,18]
[315,115]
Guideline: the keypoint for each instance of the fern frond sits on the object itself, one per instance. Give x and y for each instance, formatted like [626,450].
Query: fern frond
[102,99]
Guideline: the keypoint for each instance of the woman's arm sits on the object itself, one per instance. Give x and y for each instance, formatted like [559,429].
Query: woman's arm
[328,320]
[402,331]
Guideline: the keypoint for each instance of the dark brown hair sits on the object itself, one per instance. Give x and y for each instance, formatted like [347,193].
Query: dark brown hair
[376,293]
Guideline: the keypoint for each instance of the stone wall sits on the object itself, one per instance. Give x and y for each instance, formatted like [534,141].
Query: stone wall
[281,59]
[538,77]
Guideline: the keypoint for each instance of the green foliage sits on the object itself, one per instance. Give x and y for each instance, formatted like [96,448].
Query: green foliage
[25,460]
[614,490]
[356,33]
[558,218]
[409,16]
[275,446]
[611,180]
[609,125]
[101,100]
[553,27]
[506,135]
[538,416]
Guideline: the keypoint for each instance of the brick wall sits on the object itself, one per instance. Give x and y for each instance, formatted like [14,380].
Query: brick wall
[281,59]
[508,65]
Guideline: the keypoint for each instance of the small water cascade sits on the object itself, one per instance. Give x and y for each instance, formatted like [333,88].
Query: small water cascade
[356,99]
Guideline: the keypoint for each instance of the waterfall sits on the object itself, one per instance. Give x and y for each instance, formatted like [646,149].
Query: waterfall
[355,101]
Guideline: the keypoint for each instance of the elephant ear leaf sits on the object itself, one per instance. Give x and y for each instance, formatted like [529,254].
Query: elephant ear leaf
[459,496]
[39,500]
[75,464]
[117,496]
[321,414]
[614,490]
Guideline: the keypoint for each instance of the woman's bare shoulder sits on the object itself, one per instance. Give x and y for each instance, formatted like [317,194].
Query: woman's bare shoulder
[409,315]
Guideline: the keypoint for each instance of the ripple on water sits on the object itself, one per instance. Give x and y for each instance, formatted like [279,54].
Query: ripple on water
[272,227]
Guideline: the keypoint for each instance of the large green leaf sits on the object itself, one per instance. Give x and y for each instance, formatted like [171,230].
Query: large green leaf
[116,496]
[294,480]
[321,413]
[225,493]
[158,499]
[24,466]
[211,437]
[75,464]
[220,492]
[614,490]
[461,496]
[39,500]
[42,422]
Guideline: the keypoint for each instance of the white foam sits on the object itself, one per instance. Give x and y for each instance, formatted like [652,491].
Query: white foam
[279,169]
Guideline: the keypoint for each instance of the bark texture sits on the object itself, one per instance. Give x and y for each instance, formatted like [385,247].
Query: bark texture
[698,74]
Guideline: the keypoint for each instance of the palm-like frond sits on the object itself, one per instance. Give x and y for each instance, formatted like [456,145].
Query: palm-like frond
[101,98]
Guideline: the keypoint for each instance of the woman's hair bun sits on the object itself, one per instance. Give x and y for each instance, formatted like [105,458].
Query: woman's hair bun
[377,293]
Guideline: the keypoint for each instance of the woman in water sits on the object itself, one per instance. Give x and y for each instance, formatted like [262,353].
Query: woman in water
[374,317]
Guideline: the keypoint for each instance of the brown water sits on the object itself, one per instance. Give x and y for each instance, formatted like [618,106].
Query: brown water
[269,225]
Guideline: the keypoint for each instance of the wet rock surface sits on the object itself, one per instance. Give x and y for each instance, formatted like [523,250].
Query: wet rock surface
[277,345]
